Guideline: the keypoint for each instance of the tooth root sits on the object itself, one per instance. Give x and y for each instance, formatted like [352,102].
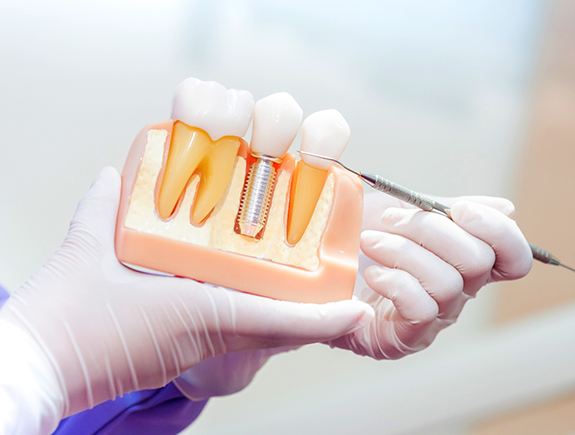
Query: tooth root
[307,184]
[216,172]
[188,147]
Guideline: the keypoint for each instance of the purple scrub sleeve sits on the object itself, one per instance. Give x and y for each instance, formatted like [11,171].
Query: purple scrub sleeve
[148,412]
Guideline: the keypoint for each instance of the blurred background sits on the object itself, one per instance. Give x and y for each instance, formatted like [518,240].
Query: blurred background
[448,97]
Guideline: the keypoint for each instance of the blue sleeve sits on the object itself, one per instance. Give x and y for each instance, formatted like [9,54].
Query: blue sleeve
[149,412]
[3,295]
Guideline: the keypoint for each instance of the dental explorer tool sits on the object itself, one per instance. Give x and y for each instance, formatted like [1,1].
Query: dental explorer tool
[428,204]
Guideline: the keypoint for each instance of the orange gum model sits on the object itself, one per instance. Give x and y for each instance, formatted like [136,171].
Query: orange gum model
[332,279]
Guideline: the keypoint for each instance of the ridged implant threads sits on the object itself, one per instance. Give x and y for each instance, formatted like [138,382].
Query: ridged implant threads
[257,196]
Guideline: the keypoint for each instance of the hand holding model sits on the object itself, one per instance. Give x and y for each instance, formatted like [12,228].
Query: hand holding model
[92,329]
[418,269]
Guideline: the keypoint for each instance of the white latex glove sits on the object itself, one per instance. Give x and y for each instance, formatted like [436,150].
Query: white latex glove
[106,330]
[419,268]
[225,374]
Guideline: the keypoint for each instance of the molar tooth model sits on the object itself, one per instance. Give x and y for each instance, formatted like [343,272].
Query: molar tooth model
[206,137]
[198,202]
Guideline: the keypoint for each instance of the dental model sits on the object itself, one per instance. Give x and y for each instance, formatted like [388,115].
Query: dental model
[198,202]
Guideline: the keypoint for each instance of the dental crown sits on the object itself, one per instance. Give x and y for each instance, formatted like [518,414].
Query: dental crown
[277,118]
[326,133]
[213,108]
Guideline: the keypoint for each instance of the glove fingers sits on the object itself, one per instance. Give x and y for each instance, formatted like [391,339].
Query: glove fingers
[513,257]
[472,257]
[441,280]
[96,212]
[278,323]
[376,203]
[224,374]
[238,321]
[503,205]
[410,299]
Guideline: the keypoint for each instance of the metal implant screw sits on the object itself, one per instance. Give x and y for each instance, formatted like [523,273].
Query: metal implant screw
[257,196]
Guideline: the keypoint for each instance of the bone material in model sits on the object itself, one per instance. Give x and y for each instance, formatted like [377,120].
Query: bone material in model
[277,119]
[326,133]
[209,122]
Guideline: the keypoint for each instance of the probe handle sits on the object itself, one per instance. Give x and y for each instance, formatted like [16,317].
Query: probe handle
[543,255]
[425,203]
[407,195]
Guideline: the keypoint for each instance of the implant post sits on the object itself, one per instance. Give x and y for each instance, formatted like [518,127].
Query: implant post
[257,196]
[277,118]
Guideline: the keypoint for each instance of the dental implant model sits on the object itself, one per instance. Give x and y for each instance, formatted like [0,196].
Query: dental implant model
[199,202]
[276,121]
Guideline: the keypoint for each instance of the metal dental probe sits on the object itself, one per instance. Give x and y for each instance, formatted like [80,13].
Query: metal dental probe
[428,204]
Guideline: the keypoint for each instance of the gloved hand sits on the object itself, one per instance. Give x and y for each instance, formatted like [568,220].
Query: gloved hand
[107,330]
[225,374]
[418,268]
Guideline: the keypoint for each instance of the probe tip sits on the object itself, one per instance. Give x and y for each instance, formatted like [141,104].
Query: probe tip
[567,267]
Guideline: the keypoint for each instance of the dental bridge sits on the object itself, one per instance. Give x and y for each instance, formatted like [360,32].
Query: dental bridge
[426,203]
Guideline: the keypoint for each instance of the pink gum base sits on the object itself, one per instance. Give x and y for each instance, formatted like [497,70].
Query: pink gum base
[333,280]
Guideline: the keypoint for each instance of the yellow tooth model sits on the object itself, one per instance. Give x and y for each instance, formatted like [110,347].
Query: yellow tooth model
[205,140]
[325,133]
[215,172]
